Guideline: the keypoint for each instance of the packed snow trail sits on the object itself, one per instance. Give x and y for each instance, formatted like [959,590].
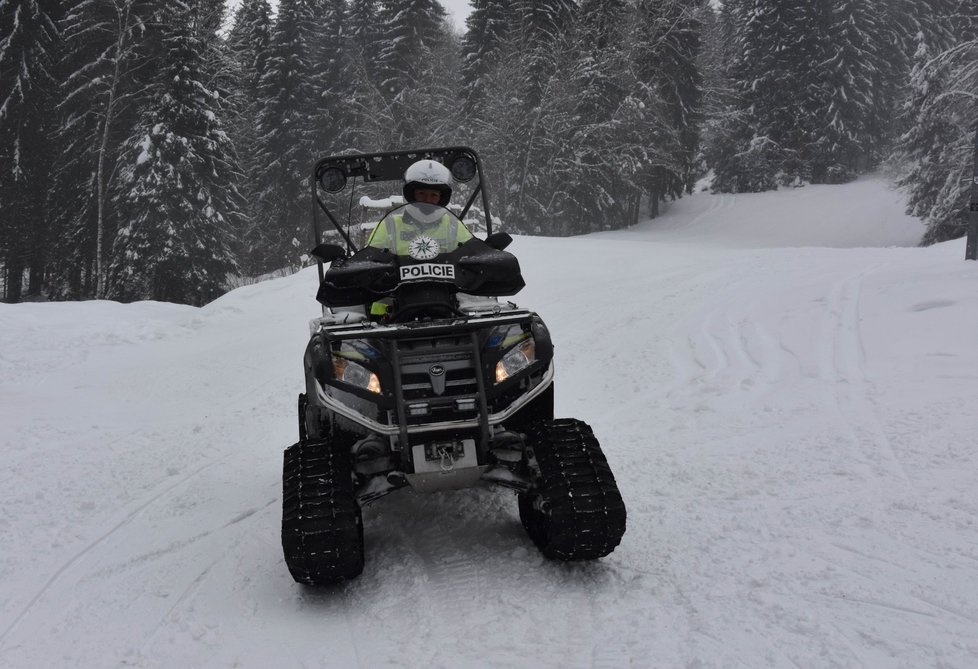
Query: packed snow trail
[791,425]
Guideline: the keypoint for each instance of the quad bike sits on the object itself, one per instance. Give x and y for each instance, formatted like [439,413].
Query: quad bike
[450,388]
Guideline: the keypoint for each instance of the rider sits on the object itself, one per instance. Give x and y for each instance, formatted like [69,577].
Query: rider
[424,221]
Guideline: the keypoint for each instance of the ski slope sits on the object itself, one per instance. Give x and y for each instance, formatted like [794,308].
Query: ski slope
[784,385]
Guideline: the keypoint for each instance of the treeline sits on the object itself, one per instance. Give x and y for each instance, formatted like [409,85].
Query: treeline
[151,149]
[819,91]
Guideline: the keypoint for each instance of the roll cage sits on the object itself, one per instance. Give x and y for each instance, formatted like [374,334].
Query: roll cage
[332,174]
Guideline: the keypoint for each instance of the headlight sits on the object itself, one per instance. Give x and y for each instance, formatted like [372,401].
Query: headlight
[521,357]
[355,374]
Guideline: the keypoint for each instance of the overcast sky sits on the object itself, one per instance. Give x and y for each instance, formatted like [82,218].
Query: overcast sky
[459,9]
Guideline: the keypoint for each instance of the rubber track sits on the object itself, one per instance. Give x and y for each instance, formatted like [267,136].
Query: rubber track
[322,529]
[583,516]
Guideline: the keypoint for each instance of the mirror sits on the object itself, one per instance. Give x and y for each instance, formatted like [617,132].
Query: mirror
[499,240]
[463,167]
[328,252]
[333,179]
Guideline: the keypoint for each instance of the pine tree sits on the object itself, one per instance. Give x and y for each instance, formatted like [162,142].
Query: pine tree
[109,52]
[851,127]
[362,28]
[667,63]
[901,24]
[527,110]
[331,111]
[923,143]
[817,85]
[28,39]
[417,69]
[363,38]
[410,30]
[369,114]
[485,38]
[719,51]
[286,141]
[178,181]
[541,22]
[782,87]
[725,128]
[601,131]
[938,147]
[539,26]
[248,43]
[247,46]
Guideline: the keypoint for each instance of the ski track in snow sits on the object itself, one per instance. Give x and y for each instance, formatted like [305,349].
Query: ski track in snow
[790,428]
[127,519]
[842,371]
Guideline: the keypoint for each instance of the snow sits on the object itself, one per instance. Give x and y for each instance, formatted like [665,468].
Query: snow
[784,386]
[146,146]
[383,203]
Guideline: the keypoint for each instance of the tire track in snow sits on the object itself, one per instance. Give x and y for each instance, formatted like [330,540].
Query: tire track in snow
[455,580]
[731,353]
[430,549]
[457,552]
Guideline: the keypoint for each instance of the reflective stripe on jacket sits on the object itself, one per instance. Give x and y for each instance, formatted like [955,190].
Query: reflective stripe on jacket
[449,233]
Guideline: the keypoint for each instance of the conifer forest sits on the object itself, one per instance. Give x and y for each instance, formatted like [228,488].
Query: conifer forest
[162,149]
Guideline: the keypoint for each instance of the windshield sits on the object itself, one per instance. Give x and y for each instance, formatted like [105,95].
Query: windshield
[421,231]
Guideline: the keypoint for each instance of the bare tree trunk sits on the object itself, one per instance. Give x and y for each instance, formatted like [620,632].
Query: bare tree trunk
[653,204]
[101,185]
[14,280]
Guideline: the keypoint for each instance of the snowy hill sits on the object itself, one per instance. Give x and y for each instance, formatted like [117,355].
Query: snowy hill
[791,418]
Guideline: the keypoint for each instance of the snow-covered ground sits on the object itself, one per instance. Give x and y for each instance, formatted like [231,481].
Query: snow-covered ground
[785,387]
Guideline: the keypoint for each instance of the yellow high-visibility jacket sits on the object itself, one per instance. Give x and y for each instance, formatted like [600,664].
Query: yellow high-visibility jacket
[450,232]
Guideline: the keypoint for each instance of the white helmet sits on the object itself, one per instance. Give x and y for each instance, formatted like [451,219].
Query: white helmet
[428,174]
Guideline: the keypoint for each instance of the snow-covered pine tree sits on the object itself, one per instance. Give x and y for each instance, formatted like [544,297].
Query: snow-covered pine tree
[923,144]
[286,152]
[416,58]
[539,25]
[248,42]
[541,22]
[743,156]
[108,56]
[817,85]
[331,111]
[29,38]
[596,173]
[719,51]
[247,47]
[667,52]
[725,130]
[410,29]
[525,119]
[937,150]
[363,39]
[782,83]
[902,23]
[850,127]
[178,190]
[370,117]
[486,33]
[419,67]
[219,69]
